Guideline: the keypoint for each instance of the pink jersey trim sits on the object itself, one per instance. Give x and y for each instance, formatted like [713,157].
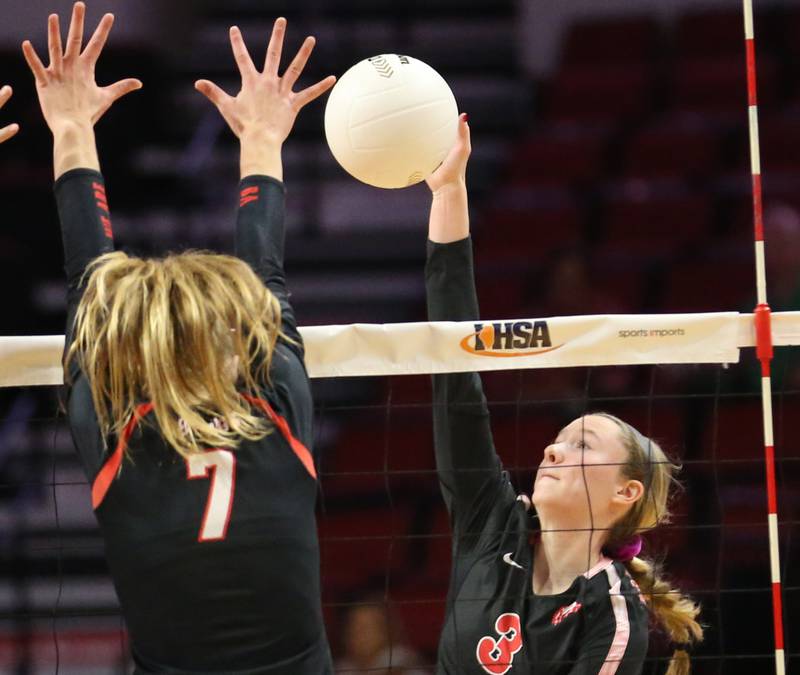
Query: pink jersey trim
[602,564]
[621,636]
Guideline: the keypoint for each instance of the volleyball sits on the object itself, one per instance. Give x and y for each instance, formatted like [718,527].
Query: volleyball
[391,120]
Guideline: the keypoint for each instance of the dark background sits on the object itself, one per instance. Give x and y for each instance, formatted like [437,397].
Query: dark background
[610,173]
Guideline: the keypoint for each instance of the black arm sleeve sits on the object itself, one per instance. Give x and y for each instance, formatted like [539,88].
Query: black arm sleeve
[85,232]
[260,236]
[469,469]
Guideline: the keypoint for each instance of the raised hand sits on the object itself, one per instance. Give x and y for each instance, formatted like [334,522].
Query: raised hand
[449,219]
[266,106]
[68,93]
[8,131]
[453,170]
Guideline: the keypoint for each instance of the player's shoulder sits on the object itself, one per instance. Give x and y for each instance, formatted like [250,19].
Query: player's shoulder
[608,581]
[288,365]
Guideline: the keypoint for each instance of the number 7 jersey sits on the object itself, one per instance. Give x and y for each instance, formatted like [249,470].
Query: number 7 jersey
[215,560]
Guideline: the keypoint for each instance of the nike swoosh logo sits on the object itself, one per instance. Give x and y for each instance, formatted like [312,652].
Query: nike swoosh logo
[507,559]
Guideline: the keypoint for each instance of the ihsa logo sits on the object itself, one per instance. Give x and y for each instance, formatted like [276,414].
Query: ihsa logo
[509,339]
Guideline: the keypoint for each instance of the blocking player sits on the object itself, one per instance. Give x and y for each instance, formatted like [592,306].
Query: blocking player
[188,398]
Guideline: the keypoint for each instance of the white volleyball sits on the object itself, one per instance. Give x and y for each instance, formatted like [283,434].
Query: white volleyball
[391,120]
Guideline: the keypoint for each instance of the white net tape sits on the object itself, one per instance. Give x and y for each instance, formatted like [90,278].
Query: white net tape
[436,347]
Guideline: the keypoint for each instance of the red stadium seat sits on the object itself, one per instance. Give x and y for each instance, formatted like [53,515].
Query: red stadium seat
[618,40]
[711,33]
[708,285]
[408,389]
[720,85]
[779,141]
[502,387]
[362,548]
[422,611]
[520,440]
[501,293]
[380,455]
[735,433]
[619,288]
[560,155]
[526,233]
[673,147]
[657,225]
[600,93]
[786,412]
[436,569]
[790,26]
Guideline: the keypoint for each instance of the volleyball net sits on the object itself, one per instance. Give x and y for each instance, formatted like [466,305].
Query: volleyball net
[356,350]
[384,534]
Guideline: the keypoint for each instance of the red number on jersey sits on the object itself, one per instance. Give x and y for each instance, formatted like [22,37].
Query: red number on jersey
[222,465]
[497,656]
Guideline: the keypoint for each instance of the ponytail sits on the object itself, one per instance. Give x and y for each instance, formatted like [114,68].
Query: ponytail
[675,612]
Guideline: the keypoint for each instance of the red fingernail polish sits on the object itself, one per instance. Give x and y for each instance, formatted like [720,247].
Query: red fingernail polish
[466,117]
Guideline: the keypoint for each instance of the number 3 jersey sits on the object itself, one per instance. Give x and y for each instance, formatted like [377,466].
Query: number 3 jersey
[494,623]
[215,560]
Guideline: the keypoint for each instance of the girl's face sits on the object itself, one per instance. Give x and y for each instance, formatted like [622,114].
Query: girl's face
[580,479]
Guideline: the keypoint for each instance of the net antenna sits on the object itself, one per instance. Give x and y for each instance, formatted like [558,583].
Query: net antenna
[763,327]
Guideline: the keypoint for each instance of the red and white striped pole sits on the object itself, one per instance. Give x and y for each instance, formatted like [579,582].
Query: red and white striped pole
[763,326]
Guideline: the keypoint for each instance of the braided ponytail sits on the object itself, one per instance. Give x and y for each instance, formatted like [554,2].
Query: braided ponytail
[675,612]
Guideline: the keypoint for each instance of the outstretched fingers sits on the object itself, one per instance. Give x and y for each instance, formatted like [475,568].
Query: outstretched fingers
[8,132]
[241,55]
[275,47]
[54,43]
[5,94]
[212,92]
[34,63]
[75,35]
[298,63]
[307,95]
[117,90]
[112,93]
[98,40]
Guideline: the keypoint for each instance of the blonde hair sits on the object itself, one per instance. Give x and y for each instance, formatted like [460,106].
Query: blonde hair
[182,332]
[676,612]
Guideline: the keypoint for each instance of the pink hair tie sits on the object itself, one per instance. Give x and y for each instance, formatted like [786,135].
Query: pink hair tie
[626,551]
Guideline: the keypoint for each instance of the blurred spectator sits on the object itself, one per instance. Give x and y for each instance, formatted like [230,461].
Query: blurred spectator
[372,641]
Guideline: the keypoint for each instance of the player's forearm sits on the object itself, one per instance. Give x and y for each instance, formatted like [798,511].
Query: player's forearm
[465,454]
[260,155]
[449,218]
[450,281]
[74,147]
[85,220]
[260,238]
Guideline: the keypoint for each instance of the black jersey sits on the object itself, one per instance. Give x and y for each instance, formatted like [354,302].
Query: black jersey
[215,560]
[494,623]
